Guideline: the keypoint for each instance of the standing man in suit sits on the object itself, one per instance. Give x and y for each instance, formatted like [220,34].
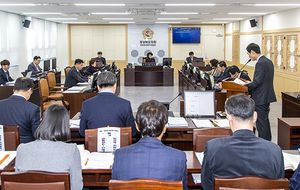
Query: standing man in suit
[100,58]
[4,74]
[74,75]
[235,72]
[224,72]
[34,66]
[262,89]
[106,109]
[149,157]
[191,57]
[17,111]
[242,153]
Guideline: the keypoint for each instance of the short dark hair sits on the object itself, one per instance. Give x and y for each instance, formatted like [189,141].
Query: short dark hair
[254,47]
[240,106]
[191,53]
[36,57]
[92,61]
[149,53]
[5,62]
[100,52]
[151,118]
[233,69]
[214,62]
[23,84]
[106,79]
[222,64]
[54,125]
[79,61]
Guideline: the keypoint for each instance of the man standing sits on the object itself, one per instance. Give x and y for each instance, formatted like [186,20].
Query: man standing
[106,109]
[74,76]
[17,111]
[262,89]
[100,58]
[34,66]
[242,153]
[4,74]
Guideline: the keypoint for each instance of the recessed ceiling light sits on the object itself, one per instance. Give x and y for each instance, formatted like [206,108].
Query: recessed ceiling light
[117,18]
[112,5]
[110,13]
[180,13]
[121,22]
[190,5]
[40,13]
[227,18]
[247,13]
[168,22]
[277,5]
[61,18]
[172,18]
[27,4]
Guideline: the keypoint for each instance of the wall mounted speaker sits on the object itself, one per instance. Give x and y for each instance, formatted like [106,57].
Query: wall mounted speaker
[253,23]
[26,23]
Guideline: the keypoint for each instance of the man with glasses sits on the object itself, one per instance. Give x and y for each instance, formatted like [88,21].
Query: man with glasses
[34,66]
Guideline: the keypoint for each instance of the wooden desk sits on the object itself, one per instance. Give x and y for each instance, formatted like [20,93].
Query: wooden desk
[288,132]
[290,104]
[149,76]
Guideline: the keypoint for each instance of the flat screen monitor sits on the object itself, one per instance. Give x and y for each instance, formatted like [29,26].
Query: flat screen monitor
[167,61]
[94,83]
[47,65]
[54,64]
[99,64]
[198,59]
[199,104]
[209,85]
[186,35]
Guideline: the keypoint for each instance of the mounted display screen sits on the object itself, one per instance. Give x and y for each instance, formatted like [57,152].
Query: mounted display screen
[186,35]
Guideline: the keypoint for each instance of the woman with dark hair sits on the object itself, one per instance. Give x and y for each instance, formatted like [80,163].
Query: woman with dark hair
[91,68]
[50,152]
[150,57]
[215,71]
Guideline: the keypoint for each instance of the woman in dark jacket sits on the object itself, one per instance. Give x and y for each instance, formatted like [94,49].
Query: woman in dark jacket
[91,69]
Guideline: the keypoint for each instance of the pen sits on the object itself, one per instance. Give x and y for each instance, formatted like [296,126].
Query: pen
[86,161]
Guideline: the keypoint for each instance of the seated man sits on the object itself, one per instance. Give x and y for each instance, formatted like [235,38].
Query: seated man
[191,57]
[235,72]
[242,153]
[106,109]
[224,72]
[17,111]
[34,66]
[4,74]
[149,157]
[74,76]
[100,58]
[215,71]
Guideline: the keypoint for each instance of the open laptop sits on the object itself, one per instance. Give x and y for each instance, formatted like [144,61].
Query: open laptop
[28,75]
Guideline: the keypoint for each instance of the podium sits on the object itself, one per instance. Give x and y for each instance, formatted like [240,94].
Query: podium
[233,88]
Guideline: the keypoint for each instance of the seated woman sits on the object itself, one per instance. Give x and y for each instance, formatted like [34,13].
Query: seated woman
[150,57]
[50,152]
[215,71]
[91,68]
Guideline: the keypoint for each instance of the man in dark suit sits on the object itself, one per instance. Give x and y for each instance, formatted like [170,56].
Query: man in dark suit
[4,73]
[191,57]
[224,72]
[17,111]
[242,153]
[34,66]
[235,72]
[100,58]
[74,75]
[150,57]
[106,109]
[149,157]
[262,89]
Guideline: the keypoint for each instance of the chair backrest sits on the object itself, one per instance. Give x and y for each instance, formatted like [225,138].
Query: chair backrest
[11,137]
[201,136]
[91,138]
[34,180]
[43,89]
[51,80]
[67,70]
[250,182]
[144,184]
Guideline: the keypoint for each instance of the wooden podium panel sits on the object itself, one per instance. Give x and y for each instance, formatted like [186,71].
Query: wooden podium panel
[233,88]
[290,104]
[288,133]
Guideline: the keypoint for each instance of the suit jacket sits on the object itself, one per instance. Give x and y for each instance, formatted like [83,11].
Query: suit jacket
[90,70]
[73,77]
[150,59]
[150,158]
[295,180]
[16,111]
[224,75]
[106,109]
[3,77]
[239,155]
[189,60]
[32,67]
[244,76]
[262,84]
[102,59]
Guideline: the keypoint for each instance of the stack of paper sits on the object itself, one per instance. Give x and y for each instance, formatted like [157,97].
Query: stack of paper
[74,123]
[83,83]
[76,88]
[239,81]
[177,122]
[200,156]
[202,123]
[291,161]
[6,157]
[96,160]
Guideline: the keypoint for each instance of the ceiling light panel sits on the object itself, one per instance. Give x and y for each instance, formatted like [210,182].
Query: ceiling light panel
[103,5]
[117,18]
[187,5]
[172,18]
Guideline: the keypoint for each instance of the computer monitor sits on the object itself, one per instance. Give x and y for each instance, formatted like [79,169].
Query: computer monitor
[198,73]
[209,85]
[167,61]
[47,65]
[199,104]
[198,59]
[94,83]
[113,67]
[190,71]
[99,64]
[54,64]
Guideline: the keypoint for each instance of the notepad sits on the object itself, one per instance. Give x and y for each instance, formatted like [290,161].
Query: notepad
[202,123]
[96,160]
[74,123]
[6,157]
[291,161]
[177,122]
[222,123]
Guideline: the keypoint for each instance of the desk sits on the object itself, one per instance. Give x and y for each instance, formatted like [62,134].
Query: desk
[288,132]
[149,76]
[290,104]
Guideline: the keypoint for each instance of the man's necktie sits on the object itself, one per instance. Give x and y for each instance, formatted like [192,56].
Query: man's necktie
[37,68]
[7,76]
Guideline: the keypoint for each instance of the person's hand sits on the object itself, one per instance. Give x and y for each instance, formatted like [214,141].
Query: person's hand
[247,82]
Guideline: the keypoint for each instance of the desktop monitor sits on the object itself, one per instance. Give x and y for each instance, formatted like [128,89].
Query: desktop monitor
[198,59]
[99,64]
[47,65]
[54,64]
[94,83]
[167,61]
[199,104]
[198,73]
[209,85]
[113,67]
[190,71]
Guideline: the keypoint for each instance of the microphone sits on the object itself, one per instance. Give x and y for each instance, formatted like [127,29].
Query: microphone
[167,104]
[245,64]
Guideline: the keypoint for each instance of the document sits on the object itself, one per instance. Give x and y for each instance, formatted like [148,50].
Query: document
[222,123]
[96,160]
[74,123]
[108,139]
[83,83]
[177,122]
[200,156]
[196,177]
[2,145]
[76,88]
[291,161]
[239,81]
[203,123]
[6,157]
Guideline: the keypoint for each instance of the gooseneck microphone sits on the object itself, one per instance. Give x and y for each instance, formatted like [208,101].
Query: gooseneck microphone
[246,64]
[175,97]
[167,104]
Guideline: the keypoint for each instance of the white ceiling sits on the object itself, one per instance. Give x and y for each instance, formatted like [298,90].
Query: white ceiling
[146,12]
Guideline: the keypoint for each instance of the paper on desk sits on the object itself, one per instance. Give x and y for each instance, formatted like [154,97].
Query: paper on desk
[177,122]
[291,161]
[11,82]
[200,156]
[71,91]
[222,123]
[12,155]
[202,123]
[76,88]
[97,160]
[196,177]
[239,81]
[83,83]
[74,123]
